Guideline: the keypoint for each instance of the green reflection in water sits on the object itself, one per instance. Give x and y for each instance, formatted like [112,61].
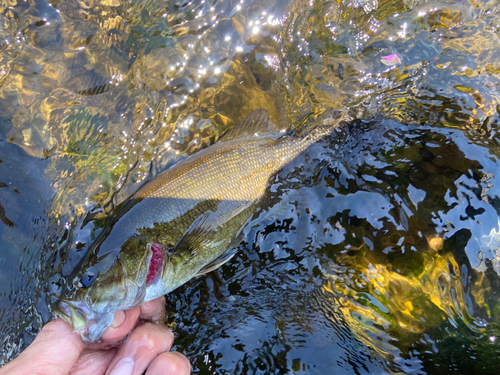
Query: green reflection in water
[109,93]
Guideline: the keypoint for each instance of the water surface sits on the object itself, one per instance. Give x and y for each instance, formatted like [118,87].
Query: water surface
[377,250]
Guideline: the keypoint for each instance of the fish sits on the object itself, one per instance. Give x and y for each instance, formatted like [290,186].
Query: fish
[185,222]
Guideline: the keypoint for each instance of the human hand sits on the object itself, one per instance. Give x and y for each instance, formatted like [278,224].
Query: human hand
[58,351]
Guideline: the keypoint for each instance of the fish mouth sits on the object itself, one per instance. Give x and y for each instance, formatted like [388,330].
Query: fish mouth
[90,321]
[75,316]
[155,263]
[90,325]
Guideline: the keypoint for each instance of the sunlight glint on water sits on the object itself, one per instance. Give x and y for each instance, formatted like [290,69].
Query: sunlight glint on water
[380,248]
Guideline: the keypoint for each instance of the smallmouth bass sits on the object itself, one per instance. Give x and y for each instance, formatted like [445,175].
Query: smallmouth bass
[185,222]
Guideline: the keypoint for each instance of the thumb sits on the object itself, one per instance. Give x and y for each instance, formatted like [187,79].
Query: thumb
[54,352]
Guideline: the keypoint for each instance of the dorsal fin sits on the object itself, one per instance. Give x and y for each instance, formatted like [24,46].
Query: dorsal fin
[256,125]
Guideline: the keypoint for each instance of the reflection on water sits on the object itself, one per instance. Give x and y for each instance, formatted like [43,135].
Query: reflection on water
[371,252]
[379,250]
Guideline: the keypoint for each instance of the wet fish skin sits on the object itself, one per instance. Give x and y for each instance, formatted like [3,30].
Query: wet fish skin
[195,211]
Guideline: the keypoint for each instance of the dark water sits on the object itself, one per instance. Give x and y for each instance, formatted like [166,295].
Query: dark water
[379,249]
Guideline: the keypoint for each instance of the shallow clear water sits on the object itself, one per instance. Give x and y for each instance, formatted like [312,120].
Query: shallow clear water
[378,250]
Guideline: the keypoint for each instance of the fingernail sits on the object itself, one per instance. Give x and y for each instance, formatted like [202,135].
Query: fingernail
[124,366]
[118,319]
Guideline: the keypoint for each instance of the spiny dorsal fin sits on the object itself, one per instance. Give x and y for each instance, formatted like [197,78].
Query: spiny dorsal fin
[216,263]
[256,125]
[279,94]
[199,235]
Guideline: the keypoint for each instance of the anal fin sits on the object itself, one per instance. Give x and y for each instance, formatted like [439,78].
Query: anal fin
[217,262]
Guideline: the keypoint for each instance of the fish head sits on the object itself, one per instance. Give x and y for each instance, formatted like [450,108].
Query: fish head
[89,323]
[90,306]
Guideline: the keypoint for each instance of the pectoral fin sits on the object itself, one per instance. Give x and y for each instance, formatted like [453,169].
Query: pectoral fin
[200,234]
[217,262]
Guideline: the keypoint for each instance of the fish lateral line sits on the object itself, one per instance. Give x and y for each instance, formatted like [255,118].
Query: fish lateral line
[203,228]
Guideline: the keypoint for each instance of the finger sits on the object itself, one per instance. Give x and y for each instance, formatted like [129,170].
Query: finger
[141,347]
[123,323]
[154,310]
[55,338]
[93,362]
[170,363]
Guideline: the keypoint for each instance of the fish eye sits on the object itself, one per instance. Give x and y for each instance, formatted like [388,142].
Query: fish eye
[87,279]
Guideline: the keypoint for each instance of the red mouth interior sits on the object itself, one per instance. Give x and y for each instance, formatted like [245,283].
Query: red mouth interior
[155,263]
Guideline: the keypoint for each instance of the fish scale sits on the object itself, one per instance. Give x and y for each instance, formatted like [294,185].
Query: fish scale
[197,210]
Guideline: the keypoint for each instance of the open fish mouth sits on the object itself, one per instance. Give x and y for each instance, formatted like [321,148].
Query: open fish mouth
[89,324]
[90,318]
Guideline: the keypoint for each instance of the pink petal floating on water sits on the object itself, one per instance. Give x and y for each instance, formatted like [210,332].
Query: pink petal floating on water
[390,60]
